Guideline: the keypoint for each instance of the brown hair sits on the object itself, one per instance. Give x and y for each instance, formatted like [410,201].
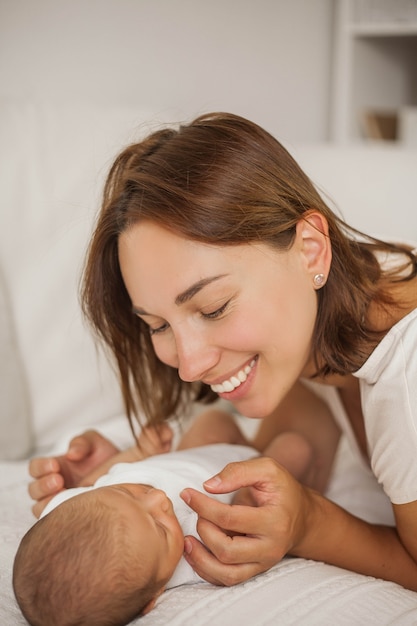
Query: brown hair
[74,567]
[223,180]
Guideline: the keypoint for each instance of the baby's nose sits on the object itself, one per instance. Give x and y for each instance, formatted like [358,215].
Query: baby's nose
[159,497]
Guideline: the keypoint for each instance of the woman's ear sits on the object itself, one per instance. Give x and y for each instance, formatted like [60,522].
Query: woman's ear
[312,233]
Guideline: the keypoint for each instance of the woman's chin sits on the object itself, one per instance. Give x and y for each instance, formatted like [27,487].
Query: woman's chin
[257,412]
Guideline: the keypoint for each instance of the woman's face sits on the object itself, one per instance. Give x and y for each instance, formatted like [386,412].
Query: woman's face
[238,318]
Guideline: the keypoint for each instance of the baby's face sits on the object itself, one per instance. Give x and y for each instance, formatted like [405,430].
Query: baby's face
[153,528]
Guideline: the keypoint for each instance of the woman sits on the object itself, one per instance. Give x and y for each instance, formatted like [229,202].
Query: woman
[216,269]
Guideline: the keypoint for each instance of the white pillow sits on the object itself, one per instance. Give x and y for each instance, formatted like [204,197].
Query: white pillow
[53,159]
[15,426]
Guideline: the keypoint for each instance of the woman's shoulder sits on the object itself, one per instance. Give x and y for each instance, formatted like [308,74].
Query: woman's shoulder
[399,301]
[391,353]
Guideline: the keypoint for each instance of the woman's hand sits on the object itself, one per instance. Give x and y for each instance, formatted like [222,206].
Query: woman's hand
[85,454]
[245,540]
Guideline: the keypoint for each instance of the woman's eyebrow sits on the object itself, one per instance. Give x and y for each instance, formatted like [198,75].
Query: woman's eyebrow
[138,311]
[189,293]
[186,295]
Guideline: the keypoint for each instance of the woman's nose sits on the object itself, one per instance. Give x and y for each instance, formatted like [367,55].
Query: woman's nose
[196,356]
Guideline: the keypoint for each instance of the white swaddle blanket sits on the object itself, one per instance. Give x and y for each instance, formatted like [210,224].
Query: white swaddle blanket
[171,472]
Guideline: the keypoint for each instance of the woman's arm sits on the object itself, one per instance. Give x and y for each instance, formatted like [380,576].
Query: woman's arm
[339,538]
[406,522]
[290,519]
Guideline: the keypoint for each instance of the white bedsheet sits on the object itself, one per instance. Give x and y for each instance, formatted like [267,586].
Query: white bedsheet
[295,592]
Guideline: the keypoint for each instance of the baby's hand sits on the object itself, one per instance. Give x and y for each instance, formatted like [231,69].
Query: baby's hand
[53,474]
[155,440]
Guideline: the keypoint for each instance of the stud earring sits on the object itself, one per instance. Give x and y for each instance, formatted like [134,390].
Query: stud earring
[319,280]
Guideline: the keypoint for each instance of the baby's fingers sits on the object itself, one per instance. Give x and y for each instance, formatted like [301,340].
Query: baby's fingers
[156,439]
[39,506]
[79,448]
[45,487]
[41,466]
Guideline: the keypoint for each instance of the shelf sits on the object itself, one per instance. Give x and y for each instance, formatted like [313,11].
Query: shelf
[388,29]
[374,64]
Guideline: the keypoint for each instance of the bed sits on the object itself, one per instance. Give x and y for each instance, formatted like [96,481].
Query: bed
[296,591]
[54,383]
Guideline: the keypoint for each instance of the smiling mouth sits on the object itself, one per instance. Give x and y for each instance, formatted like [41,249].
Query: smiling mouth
[234,381]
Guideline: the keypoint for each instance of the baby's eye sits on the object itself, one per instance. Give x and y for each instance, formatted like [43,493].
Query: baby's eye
[217,313]
[162,528]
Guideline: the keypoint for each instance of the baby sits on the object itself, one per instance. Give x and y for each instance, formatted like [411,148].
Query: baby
[103,554]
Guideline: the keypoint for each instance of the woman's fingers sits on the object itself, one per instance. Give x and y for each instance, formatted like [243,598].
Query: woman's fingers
[241,541]
[262,473]
[214,571]
[240,549]
[236,519]
[242,534]
[266,481]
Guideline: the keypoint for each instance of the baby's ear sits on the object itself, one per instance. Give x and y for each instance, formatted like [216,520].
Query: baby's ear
[150,605]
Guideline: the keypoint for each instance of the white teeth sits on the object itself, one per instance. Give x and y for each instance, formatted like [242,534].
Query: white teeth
[234,381]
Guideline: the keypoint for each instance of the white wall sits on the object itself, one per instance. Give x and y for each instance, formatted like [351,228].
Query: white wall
[268,60]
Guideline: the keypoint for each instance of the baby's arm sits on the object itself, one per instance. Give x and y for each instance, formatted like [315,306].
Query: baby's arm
[89,456]
[301,415]
[212,426]
[301,435]
[151,441]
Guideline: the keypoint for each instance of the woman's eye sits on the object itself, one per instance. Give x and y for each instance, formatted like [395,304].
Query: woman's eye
[153,331]
[217,313]
[156,331]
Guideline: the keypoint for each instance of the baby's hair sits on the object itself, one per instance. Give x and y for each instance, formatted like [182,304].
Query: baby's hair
[75,567]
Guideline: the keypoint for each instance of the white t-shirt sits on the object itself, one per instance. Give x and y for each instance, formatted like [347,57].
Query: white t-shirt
[388,385]
[171,472]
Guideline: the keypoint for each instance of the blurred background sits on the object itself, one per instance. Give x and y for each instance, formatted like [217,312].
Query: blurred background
[334,80]
[269,60]
[308,70]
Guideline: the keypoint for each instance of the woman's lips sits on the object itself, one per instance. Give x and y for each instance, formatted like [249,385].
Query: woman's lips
[230,384]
